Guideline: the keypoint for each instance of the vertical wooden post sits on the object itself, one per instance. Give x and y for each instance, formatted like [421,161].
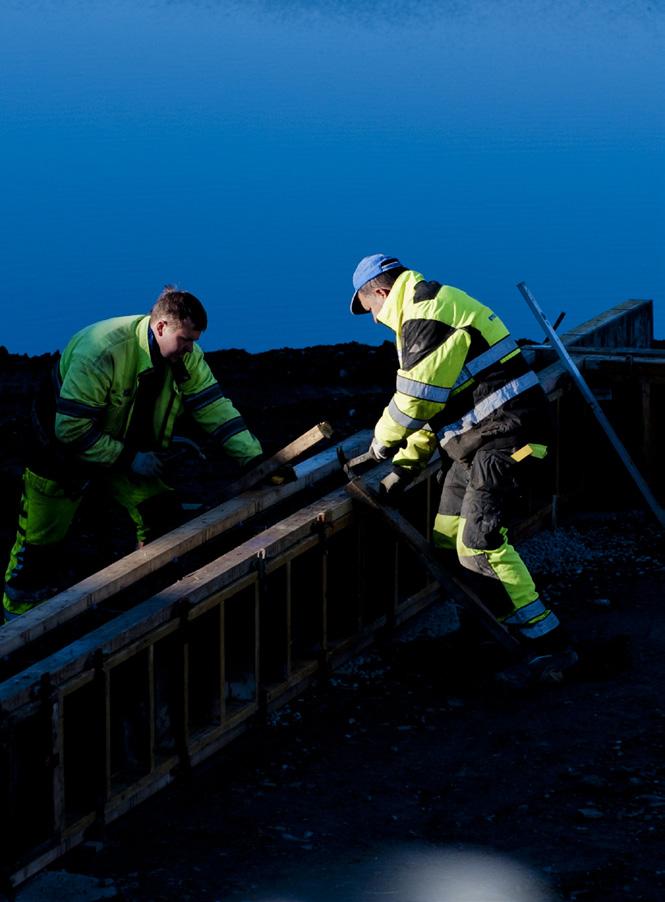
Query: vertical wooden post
[104,679]
[222,661]
[150,663]
[54,711]
[647,429]
[323,528]
[182,720]
[257,636]
[289,620]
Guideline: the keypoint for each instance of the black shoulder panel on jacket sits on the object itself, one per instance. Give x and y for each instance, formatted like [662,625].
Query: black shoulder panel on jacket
[426,291]
[420,337]
[479,343]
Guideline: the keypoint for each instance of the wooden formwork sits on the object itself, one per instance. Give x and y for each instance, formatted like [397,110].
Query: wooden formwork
[88,732]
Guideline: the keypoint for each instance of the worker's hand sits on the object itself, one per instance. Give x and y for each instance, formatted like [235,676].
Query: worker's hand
[286,473]
[146,463]
[382,452]
[392,486]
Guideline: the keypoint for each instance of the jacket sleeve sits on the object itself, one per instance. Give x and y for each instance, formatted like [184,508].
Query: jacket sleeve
[84,401]
[424,383]
[204,399]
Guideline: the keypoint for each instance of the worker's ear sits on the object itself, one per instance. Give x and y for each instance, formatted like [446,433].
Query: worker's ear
[159,326]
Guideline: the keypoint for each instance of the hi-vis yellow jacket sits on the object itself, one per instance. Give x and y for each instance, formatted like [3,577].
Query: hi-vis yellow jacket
[462,381]
[98,377]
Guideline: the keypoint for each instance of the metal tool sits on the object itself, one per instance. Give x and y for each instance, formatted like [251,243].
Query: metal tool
[596,409]
[356,465]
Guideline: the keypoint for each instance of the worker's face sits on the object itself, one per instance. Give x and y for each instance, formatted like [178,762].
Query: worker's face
[373,300]
[175,338]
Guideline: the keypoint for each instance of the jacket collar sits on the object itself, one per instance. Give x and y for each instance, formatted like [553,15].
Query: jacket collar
[145,360]
[392,312]
[148,349]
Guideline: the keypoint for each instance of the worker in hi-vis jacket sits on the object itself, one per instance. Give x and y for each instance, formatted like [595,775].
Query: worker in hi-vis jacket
[108,412]
[464,386]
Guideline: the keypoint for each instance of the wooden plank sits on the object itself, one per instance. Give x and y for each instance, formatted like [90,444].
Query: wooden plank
[621,368]
[627,324]
[286,456]
[130,569]
[657,355]
[137,623]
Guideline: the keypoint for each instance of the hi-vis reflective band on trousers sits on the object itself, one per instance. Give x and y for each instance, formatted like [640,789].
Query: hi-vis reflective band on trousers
[422,390]
[547,622]
[488,405]
[485,360]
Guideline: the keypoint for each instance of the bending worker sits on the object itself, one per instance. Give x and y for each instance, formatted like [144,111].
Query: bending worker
[463,385]
[111,408]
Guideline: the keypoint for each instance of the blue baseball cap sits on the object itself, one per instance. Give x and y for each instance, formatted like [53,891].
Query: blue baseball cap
[369,268]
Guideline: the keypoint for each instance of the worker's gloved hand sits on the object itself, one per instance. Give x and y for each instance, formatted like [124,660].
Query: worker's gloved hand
[146,463]
[285,474]
[392,486]
[382,452]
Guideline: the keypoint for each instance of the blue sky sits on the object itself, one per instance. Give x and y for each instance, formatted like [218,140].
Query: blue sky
[253,152]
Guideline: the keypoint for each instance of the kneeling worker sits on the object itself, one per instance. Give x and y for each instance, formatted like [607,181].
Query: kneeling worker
[463,385]
[116,393]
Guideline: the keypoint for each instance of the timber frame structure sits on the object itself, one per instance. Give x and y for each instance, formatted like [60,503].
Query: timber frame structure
[91,723]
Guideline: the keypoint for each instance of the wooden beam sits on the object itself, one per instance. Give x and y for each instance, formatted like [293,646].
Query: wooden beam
[137,623]
[286,456]
[656,354]
[130,569]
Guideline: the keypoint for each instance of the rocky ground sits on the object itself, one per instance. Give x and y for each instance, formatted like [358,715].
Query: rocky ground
[411,775]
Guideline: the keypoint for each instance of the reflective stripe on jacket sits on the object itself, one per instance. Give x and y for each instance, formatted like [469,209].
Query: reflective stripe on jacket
[461,376]
[99,376]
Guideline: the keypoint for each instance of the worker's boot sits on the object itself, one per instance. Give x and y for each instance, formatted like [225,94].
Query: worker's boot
[547,660]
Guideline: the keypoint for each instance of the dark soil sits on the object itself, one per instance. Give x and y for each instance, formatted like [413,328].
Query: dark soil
[386,780]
